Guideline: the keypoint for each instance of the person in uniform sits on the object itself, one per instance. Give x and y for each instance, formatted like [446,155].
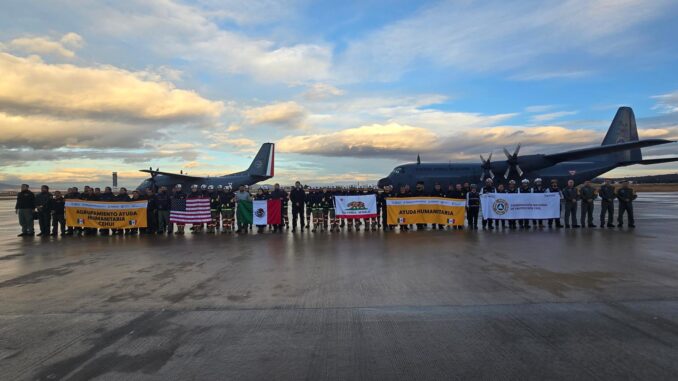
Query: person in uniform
[402,193]
[570,195]
[106,196]
[215,209]
[24,208]
[278,194]
[72,194]
[420,191]
[524,223]
[136,196]
[502,189]
[242,195]
[298,199]
[285,209]
[58,208]
[488,188]
[626,196]
[88,195]
[329,220]
[42,203]
[587,195]
[472,207]
[261,195]
[177,194]
[453,191]
[228,205]
[381,202]
[607,196]
[511,189]
[538,188]
[195,193]
[163,203]
[151,212]
[555,189]
[122,196]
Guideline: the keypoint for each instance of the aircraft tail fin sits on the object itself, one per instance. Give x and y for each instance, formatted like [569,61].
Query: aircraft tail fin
[623,130]
[263,163]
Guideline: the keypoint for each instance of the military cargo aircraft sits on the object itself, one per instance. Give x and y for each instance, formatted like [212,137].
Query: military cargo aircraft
[261,169]
[620,147]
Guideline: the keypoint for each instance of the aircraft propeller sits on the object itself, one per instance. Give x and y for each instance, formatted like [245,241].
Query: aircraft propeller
[153,174]
[486,166]
[512,161]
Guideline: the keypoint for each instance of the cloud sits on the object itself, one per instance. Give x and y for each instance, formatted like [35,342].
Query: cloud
[18,157]
[30,86]
[551,116]
[47,46]
[365,141]
[284,113]
[403,141]
[320,91]
[667,103]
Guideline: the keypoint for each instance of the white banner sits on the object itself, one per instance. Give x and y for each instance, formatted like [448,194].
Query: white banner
[363,206]
[513,206]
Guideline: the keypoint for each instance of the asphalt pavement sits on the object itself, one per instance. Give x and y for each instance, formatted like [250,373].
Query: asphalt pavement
[438,305]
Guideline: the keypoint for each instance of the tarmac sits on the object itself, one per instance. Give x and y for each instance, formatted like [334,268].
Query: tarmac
[438,305]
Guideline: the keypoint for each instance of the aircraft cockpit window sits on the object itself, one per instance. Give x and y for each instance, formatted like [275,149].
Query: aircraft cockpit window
[398,170]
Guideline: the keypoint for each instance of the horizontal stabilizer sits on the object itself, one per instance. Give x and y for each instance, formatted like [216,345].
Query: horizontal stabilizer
[176,175]
[602,150]
[650,161]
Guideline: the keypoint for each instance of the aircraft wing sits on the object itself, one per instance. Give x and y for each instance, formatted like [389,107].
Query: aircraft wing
[650,161]
[602,150]
[176,175]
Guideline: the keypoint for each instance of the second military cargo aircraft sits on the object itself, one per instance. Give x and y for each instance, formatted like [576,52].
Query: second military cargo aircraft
[620,147]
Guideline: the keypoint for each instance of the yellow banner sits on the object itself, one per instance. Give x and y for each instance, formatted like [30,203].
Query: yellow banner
[106,215]
[425,210]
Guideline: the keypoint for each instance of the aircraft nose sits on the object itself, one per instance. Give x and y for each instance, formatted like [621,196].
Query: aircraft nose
[384,182]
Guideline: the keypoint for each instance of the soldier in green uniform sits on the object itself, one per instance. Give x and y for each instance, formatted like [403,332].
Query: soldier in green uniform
[607,196]
[570,195]
[587,195]
[626,196]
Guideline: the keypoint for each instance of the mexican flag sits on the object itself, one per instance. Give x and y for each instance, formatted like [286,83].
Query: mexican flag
[260,212]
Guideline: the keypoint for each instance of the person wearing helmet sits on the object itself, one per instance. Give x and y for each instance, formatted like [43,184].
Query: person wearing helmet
[555,189]
[512,189]
[227,207]
[524,188]
[488,188]
[177,194]
[196,192]
[538,188]
[502,189]
[215,210]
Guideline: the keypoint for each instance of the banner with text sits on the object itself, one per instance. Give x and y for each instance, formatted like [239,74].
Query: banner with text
[425,210]
[362,206]
[512,206]
[106,215]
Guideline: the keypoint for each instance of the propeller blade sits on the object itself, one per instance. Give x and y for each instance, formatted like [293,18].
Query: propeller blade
[506,152]
[489,158]
[517,150]
[482,159]
[508,170]
[520,171]
[482,177]
[491,174]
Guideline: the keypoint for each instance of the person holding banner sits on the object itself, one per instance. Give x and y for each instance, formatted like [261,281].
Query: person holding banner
[472,207]
[501,189]
[524,188]
[381,206]
[555,189]
[538,188]
[571,195]
[488,188]
[58,207]
[401,194]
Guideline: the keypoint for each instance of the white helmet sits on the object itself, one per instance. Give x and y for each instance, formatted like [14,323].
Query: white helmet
[525,181]
[512,181]
[227,187]
[211,187]
[537,180]
[203,187]
[178,186]
[220,186]
[194,186]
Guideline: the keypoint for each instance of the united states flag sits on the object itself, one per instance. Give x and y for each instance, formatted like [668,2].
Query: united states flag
[190,211]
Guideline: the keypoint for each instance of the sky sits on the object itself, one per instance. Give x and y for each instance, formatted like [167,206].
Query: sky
[347,90]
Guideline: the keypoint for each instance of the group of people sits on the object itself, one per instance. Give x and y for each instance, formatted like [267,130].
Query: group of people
[313,207]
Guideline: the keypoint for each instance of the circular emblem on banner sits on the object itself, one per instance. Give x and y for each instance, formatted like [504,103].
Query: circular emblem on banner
[260,213]
[500,206]
[258,164]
